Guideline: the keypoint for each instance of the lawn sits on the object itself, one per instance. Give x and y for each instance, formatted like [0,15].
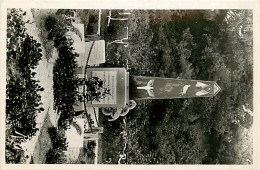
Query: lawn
[43,143]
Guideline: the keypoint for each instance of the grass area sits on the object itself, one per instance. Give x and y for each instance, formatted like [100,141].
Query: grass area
[44,142]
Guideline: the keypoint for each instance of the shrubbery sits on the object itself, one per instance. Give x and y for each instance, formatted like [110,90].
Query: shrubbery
[96,89]
[190,46]
[56,154]
[90,149]
[65,81]
[22,98]
[50,23]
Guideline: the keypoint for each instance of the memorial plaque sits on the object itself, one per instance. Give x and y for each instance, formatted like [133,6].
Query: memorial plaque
[115,79]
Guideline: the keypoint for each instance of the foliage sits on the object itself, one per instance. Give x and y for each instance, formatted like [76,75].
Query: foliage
[67,15]
[22,98]
[57,138]
[112,143]
[50,22]
[90,149]
[65,84]
[198,45]
[56,154]
[65,81]
[96,89]
[91,25]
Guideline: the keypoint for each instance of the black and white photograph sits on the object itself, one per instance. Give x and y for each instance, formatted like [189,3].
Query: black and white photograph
[129,86]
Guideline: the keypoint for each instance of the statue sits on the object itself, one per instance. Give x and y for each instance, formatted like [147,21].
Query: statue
[115,113]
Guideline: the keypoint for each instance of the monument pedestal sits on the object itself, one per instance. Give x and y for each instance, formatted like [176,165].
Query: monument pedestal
[115,79]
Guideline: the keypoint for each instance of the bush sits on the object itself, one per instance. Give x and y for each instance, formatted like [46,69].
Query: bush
[58,139]
[22,98]
[65,81]
[90,150]
[56,155]
[189,48]
[51,23]
[96,89]
[92,24]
